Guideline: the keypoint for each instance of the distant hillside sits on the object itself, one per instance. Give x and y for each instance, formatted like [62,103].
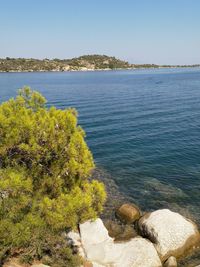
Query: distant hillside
[83,63]
[98,62]
[88,62]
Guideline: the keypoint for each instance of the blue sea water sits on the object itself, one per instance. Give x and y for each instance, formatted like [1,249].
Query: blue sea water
[143,127]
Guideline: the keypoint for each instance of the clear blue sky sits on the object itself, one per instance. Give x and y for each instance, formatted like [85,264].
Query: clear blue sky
[140,31]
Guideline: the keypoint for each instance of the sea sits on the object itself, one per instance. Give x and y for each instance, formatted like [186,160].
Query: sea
[142,126]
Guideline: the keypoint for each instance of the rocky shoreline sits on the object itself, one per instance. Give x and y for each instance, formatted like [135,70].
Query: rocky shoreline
[162,238]
[126,236]
[158,239]
[70,70]
[122,231]
[95,70]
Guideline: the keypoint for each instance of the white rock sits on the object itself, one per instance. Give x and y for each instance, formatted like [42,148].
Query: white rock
[101,250]
[93,232]
[81,252]
[172,234]
[97,265]
[74,240]
[139,252]
[170,262]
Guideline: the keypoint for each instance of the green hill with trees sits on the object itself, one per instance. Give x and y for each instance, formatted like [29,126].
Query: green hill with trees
[88,62]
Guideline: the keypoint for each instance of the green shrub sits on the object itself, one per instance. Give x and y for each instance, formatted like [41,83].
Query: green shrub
[44,169]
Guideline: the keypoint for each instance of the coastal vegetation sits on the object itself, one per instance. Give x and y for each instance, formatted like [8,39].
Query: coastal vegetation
[88,62]
[83,63]
[45,190]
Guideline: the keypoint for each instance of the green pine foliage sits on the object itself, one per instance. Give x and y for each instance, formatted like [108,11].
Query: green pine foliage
[44,188]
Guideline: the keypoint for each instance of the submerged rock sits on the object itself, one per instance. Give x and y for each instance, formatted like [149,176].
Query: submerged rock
[172,234]
[128,213]
[120,232]
[101,249]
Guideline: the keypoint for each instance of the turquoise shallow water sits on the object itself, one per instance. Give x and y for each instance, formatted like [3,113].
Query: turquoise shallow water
[143,128]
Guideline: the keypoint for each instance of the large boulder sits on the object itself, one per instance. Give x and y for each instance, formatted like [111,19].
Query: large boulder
[128,213]
[101,250]
[93,232]
[172,234]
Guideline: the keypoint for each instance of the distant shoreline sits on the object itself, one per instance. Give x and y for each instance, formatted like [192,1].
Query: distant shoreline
[83,63]
[96,70]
